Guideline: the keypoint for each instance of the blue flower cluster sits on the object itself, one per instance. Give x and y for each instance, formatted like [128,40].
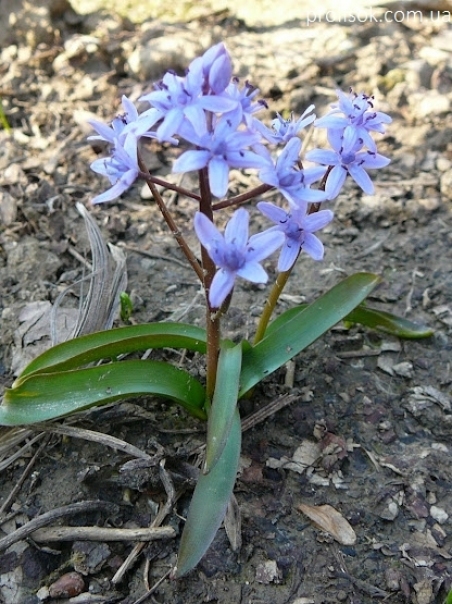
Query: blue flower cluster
[210,110]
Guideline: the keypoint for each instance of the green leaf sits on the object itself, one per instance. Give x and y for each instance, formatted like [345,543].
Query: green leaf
[448,599]
[208,505]
[45,396]
[304,327]
[114,342]
[126,306]
[370,317]
[388,323]
[224,404]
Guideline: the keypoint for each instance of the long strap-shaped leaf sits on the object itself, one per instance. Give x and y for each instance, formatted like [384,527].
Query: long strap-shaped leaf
[303,328]
[209,503]
[370,317]
[45,396]
[224,403]
[111,343]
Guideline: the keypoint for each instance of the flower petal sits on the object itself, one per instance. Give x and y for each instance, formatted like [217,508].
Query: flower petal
[361,178]
[335,180]
[206,231]
[193,159]
[262,245]
[221,286]
[288,256]
[313,246]
[218,176]
[274,213]
[253,271]
[237,228]
[317,220]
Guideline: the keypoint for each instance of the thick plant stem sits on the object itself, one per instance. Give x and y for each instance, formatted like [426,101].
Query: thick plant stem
[212,314]
[170,222]
[270,304]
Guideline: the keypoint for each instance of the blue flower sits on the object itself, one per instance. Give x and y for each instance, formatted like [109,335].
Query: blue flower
[129,123]
[121,168]
[222,148]
[216,68]
[284,174]
[360,118]
[234,254]
[244,97]
[348,157]
[298,227]
[283,130]
[179,98]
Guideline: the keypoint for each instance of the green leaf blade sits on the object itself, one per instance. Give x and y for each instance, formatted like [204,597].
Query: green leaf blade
[388,323]
[303,328]
[224,404]
[209,502]
[114,342]
[45,396]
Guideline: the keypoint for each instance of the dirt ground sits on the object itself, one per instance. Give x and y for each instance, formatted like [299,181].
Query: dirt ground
[377,411]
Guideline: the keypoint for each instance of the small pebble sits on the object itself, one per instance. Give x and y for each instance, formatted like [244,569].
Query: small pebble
[67,586]
[438,514]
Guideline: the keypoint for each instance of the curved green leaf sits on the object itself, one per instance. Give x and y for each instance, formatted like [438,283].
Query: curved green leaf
[388,323]
[208,505]
[308,324]
[113,342]
[370,317]
[44,396]
[224,404]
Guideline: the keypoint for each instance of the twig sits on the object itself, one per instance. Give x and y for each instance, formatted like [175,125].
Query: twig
[363,586]
[358,354]
[145,596]
[170,492]
[99,437]
[97,533]
[8,501]
[261,414]
[13,439]
[48,517]
[136,250]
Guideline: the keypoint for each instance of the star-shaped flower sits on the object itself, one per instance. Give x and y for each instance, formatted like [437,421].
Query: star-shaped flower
[347,157]
[298,227]
[121,169]
[290,180]
[220,149]
[234,253]
[359,118]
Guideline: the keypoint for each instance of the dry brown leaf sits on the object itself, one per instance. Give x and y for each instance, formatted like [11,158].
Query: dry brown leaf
[330,520]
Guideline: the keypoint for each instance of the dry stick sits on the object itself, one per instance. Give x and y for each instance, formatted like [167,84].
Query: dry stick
[270,409]
[170,222]
[99,437]
[164,511]
[98,533]
[48,517]
[8,501]
[145,596]
[14,439]
[136,250]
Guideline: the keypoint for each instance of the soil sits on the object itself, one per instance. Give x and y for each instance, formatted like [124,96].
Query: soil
[376,410]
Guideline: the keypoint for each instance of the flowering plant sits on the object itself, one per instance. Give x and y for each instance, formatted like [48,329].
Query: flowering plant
[214,118]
